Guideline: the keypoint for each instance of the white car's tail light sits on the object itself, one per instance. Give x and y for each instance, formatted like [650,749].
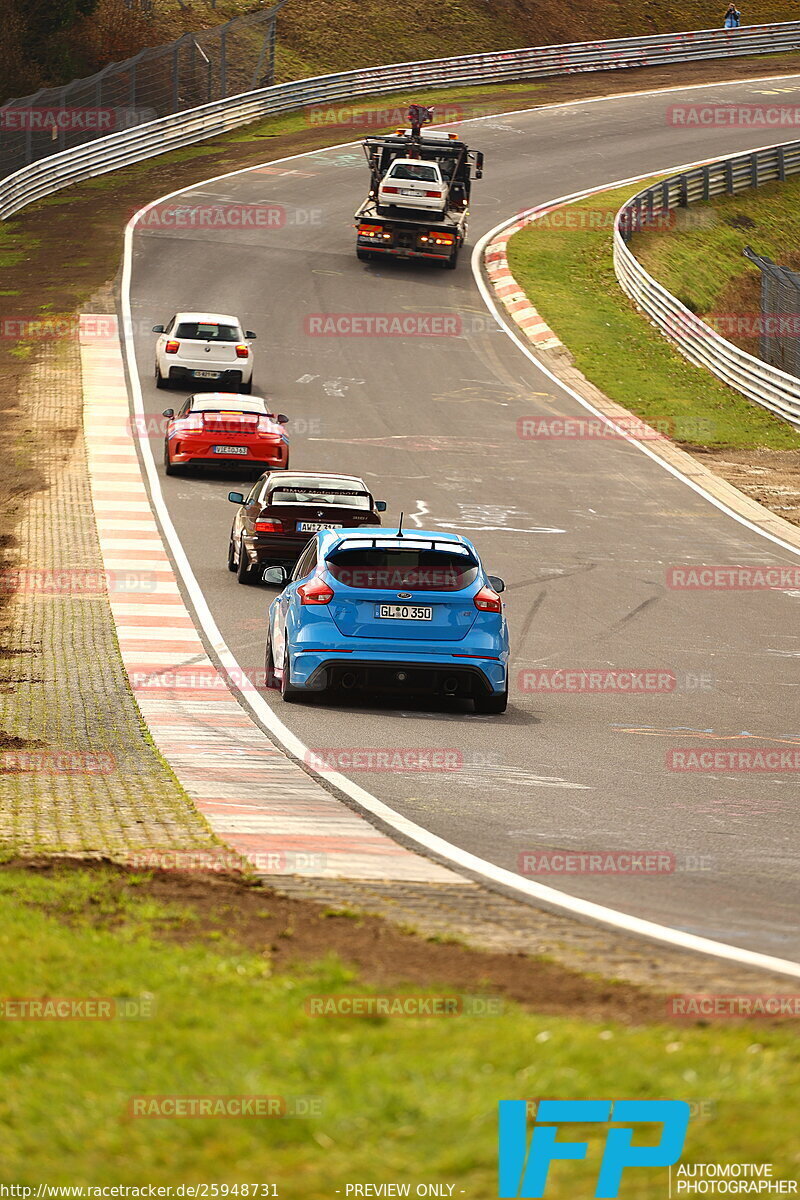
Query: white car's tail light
[172,347]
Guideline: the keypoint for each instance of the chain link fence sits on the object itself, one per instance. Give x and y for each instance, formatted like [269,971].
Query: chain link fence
[779,325]
[236,57]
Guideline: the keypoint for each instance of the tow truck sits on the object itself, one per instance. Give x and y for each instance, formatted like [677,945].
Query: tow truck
[420,220]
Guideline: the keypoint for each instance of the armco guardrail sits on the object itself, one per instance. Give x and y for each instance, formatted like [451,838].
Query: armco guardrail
[697,341]
[102,154]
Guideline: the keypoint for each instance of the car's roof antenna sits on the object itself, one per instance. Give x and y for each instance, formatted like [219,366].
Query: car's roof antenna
[400,527]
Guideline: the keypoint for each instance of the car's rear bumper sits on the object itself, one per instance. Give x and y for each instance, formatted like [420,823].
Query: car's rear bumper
[432,673]
[230,375]
[185,453]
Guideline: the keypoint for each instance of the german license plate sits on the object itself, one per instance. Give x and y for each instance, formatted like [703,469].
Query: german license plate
[405,612]
[206,374]
[408,192]
[313,526]
[231,450]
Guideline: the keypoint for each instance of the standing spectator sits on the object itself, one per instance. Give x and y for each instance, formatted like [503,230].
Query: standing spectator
[732,17]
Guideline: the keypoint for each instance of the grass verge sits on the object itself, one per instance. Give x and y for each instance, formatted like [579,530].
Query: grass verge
[702,261]
[565,266]
[403,1099]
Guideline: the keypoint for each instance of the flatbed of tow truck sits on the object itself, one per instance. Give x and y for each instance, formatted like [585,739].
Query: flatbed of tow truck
[390,230]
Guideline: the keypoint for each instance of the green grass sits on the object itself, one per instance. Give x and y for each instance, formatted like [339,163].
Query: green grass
[700,261]
[569,276]
[400,1099]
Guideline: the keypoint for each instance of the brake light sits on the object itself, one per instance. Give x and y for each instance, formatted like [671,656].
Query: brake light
[438,193]
[172,347]
[488,600]
[242,351]
[316,591]
[265,526]
[394,191]
[193,424]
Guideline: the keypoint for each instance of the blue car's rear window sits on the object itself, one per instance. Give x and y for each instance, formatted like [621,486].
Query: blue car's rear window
[419,570]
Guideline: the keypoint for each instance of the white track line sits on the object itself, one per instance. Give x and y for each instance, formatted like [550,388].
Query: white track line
[443,849]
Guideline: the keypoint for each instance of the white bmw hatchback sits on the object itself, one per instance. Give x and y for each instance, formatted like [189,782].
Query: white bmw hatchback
[195,346]
[411,183]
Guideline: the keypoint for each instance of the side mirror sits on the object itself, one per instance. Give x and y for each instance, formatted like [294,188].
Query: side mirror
[497,583]
[236,497]
[158,329]
[282,419]
[248,333]
[276,575]
[380,506]
[168,412]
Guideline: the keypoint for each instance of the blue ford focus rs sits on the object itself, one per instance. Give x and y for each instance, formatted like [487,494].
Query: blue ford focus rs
[375,610]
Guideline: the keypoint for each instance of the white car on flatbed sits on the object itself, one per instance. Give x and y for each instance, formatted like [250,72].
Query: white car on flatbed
[197,346]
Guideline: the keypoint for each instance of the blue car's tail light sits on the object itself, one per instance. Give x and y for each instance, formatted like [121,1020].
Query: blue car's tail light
[316,591]
[487,600]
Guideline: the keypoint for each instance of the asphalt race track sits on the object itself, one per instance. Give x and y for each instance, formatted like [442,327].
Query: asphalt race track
[583,531]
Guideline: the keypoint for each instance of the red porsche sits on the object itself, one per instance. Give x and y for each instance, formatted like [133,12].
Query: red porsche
[225,429]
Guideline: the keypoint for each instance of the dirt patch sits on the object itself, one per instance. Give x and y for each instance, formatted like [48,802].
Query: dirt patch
[296,932]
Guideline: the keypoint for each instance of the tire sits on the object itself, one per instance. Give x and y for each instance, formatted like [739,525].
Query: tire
[161,382]
[244,572]
[231,556]
[169,469]
[246,388]
[488,705]
[270,678]
[363,255]
[288,693]
[451,262]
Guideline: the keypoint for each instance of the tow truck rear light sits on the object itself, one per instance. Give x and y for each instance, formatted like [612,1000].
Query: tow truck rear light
[172,347]
[242,351]
[437,239]
[487,600]
[265,526]
[316,591]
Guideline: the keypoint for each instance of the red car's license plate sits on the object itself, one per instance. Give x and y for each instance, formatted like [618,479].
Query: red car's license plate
[231,450]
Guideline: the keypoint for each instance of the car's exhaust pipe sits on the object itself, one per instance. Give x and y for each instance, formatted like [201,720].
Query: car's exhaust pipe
[348,680]
[450,686]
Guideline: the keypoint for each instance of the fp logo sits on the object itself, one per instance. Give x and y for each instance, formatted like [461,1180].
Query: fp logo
[523,1171]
